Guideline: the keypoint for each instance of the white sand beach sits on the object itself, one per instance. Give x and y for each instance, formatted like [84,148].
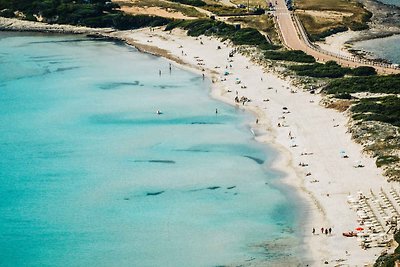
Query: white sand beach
[306,128]
[338,43]
[308,134]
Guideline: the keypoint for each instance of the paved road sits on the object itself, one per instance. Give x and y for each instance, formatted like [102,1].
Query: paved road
[294,37]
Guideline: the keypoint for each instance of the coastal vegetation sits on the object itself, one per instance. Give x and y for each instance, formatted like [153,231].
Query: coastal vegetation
[153,7]
[263,23]
[252,3]
[289,55]
[322,18]
[374,106]
[221,10]
[385,109]
[318,70]
[373,84]
[190,2]
[331,69]
[238,36]
[96,13]
[388,260]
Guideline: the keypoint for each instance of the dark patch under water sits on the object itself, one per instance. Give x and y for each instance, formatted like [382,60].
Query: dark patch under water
[115,85]
[154,193]
[193,150]
[156,161]
[165,86]
[120,119]
[203,122]
[213,187]
[66,68]
[60,41]
[258,160]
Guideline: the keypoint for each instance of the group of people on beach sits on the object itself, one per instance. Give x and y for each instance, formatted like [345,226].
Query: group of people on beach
[325,231]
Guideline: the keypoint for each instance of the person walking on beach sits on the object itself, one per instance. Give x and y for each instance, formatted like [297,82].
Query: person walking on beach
[322,230]
[216,111]
[159,72]
[326,231]
[313,231]
[330,230]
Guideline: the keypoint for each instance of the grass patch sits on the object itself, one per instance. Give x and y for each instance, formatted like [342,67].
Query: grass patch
[169,6]
[289,55]
[243,36]
[373,84]
[225,10]
[383,109]
[325,17]
[252,3]
[318,29]
[264,23]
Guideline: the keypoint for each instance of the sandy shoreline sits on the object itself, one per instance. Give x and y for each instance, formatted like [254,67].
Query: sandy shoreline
[306,127]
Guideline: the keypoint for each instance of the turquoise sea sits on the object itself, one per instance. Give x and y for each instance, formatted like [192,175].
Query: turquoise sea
[91,176]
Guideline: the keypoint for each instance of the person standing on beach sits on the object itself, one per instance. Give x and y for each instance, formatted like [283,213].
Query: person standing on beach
[216,111]
[322,230]
[159,72]
[313,231]
[330,230]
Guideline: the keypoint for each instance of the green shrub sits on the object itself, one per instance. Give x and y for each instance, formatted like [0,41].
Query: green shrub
[383,109]
[328,70]
[375,84]
[385,160]
[93,13]
[363,71]
[7,13]
[243,36]
[290,55]
[344,96]
[190,2]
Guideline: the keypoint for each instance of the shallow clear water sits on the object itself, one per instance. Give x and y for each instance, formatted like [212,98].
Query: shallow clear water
[387,48]
[91,176]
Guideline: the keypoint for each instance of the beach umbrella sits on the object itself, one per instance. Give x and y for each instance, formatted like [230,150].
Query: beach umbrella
[359,228]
